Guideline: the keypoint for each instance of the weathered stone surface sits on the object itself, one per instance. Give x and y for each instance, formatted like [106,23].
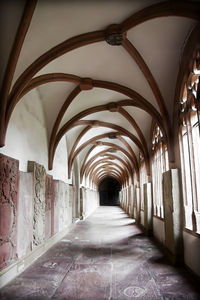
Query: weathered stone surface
[148,216]
[25,215]
[62,206]
[90,201]
[39,179]
[49,200]
[9,183]
[134,202]
[56,207]
[138,205]
[172,212]
[131,211]
[103,257]
[72,199]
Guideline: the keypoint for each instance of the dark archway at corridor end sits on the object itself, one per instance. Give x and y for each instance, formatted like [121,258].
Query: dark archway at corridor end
[109,189]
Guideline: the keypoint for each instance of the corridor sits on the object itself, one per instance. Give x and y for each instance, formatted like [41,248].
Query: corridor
[105,256]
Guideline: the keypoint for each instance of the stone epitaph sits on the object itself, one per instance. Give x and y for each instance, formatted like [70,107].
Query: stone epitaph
[56,207]
[25,215]
[148,214]
[173,214]
[49,202]
[138,205]
[9,183]
[39,179]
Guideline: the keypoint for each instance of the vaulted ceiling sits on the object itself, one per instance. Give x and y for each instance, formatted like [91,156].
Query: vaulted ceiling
[104,71]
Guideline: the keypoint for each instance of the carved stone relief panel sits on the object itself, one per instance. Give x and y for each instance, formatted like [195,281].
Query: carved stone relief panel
[39,179]
[49,202]
[61,205]
[56,207]
[25,215]
[9,183]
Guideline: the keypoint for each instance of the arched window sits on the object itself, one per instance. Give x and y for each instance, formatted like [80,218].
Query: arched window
[189,137]
[160,164]
[143,179]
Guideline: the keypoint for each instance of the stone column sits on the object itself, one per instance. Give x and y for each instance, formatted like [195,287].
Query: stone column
[39,180]
[9,184]
[173,214]
[148,214]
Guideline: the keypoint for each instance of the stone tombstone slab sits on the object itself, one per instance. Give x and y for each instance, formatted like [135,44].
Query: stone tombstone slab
[52,207]
[172,210]
[70,192]
[134,202]
[49,195]
[131,211]
[9,184]
[137,205]
[148,213]
[61,200]
[72,202]
[66,207]
[39,179]
[25,214]
[56,207]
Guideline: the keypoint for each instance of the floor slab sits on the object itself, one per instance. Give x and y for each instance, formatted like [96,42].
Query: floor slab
[107,257]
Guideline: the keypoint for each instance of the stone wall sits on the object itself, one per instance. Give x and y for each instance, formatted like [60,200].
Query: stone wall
[33,208]
[9,182]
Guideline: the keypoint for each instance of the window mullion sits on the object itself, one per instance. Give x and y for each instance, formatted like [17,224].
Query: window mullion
[192,170]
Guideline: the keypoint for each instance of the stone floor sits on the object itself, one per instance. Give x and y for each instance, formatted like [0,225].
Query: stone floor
[104,257]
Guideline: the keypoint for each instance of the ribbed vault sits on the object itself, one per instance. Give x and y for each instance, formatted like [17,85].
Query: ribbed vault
[102,88]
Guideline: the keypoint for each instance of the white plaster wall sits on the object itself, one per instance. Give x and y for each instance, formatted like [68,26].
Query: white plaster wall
[26,137]
[191,252]
[60,163]
[159,229]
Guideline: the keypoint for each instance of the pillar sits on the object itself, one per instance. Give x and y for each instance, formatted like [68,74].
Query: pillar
[173,214]
[148,213]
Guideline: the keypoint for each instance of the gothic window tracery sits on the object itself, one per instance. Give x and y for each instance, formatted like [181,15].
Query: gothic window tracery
[160,164]
[189,138]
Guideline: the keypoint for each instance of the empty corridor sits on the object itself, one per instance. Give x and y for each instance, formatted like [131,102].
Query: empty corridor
[104,257]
